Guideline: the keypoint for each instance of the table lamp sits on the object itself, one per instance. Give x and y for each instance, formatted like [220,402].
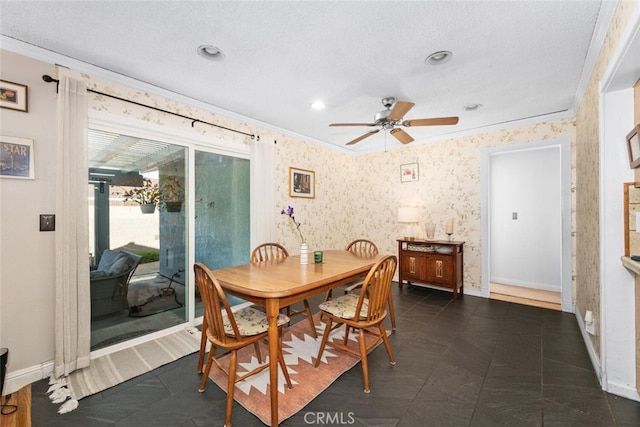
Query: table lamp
[409,216]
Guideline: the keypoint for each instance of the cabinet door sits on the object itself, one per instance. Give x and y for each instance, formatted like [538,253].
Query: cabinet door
[440,269]
[413,265]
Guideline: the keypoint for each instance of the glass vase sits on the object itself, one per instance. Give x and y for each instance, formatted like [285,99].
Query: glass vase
[304,254]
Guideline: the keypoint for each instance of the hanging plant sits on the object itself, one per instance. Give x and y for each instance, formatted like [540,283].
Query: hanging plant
[147,196]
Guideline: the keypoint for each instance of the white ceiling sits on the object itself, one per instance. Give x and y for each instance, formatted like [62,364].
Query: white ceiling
[519,59]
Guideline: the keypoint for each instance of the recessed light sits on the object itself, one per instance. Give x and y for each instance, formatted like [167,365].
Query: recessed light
[318,105]
[438,58]
[211,53]
[472,107]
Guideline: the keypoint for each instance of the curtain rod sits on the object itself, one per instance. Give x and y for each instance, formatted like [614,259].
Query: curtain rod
[47,78]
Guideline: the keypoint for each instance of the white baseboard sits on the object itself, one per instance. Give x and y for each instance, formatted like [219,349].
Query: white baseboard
[623,390]
[595,360]
[475,293]
[18,379]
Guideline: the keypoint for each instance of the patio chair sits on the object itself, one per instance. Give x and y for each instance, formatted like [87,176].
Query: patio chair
[109,282]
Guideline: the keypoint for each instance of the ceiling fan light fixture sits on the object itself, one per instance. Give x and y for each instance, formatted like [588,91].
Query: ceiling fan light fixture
[439,58]
[472,107]
[210,52]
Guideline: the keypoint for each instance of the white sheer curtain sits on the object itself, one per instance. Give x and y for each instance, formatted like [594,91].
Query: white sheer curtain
[263,208]
[73,305]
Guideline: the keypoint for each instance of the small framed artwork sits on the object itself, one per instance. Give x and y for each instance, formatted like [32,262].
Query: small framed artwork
[409,172]
[633,147]
[302,183]
[13,96]
[16,158]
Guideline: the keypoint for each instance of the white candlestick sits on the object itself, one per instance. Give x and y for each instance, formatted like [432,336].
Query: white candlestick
[449,227]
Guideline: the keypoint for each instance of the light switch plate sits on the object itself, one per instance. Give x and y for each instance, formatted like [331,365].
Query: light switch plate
[47,222]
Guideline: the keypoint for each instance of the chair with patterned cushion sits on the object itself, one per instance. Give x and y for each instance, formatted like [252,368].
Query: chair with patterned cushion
[277,252]
[364,312]
[366,248]
[229,332]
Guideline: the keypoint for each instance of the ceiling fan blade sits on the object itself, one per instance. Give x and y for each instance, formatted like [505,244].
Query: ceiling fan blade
[400,108]
[401,135]
[352,124]
[436,121]
[360,138]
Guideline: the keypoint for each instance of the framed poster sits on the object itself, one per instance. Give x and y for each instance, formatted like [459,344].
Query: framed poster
[633,147]
[409,172]
[16,158]
[302,183]
[13,96]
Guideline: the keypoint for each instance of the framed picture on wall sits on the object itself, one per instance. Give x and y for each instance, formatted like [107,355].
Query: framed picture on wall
[13,96]
[409,172]
[633,147]
[16,158]
[302,183]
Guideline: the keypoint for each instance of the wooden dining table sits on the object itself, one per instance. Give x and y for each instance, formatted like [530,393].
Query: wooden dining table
[277,284]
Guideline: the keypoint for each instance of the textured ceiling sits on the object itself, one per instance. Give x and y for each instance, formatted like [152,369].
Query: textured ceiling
[519,59]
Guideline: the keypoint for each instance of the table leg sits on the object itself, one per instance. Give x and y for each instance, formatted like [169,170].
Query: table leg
[272,316]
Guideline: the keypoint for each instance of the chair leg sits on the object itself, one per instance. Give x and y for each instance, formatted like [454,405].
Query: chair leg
[392,313]
[231,385]
[256,345]
[363,356]
[347,329]
[207,369]
[283,365]
[310,318]
[203,344]
[325,338]
[383,333]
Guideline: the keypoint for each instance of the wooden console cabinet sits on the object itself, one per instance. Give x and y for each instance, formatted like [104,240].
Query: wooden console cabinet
[436,263]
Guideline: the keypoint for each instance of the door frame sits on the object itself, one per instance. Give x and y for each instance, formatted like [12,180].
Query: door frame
[109,122]
[564,145]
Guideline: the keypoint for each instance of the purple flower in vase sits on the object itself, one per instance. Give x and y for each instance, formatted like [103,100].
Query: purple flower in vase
[289,213]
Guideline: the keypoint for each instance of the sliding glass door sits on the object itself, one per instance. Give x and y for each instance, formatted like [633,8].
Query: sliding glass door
[138,236]
[222,212]
[151,202]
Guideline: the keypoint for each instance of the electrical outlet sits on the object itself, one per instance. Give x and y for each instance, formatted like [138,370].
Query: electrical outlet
[590,328]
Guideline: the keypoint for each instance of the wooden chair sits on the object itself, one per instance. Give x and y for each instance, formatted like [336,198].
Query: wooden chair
[363,311]
[277,252]
[229,332]
[364,247]
[263,252]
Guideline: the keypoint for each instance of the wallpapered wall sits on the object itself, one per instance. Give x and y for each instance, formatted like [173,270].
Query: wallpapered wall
[587,253]
[449,187]
[358,196]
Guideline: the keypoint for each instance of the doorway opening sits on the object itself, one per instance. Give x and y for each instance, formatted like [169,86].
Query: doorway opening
[526,228]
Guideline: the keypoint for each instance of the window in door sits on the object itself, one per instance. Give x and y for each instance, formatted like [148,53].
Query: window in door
[138,236]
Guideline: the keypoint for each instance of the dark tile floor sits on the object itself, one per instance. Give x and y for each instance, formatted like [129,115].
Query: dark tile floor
[471,362]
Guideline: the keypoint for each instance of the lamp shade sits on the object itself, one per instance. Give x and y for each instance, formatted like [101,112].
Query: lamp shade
[408,214]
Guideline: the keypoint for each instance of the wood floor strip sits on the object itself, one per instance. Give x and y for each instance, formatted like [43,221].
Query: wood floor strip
[22,417]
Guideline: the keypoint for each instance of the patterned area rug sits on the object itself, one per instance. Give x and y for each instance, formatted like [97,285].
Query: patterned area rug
[300,350]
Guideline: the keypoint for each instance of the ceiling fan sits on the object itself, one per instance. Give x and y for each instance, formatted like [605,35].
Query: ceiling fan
[390,118]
